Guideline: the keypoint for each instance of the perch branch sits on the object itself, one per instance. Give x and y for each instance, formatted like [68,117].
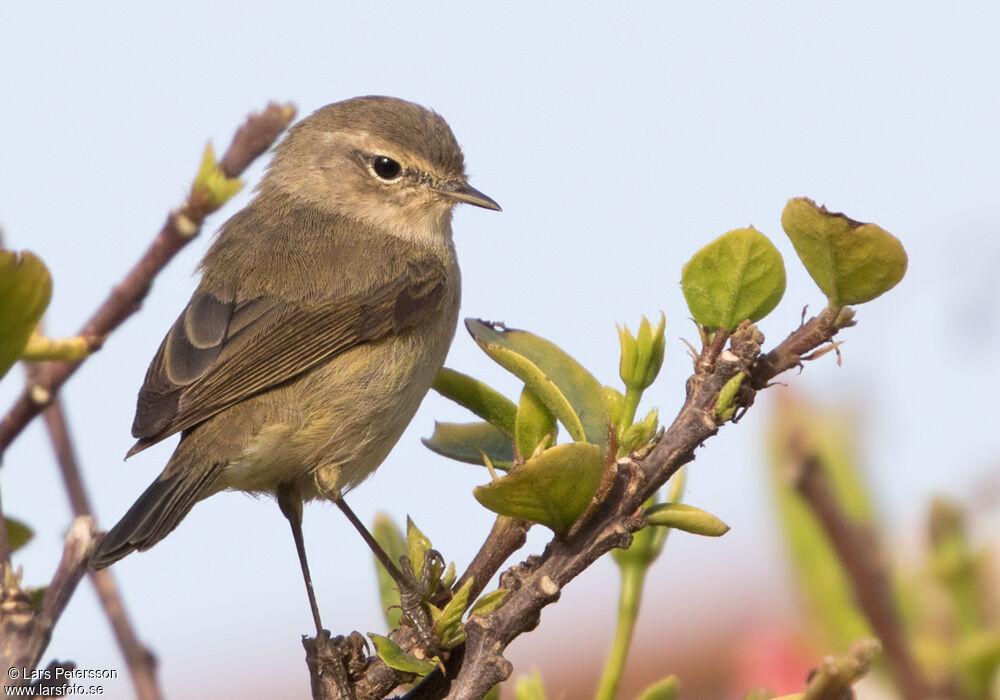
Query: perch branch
[182,224]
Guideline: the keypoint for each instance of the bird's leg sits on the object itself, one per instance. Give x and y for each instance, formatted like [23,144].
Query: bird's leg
[290,502]
[412,591]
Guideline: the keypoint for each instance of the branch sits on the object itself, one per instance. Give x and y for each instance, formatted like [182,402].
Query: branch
[863,561]
[24,633]
[182,224]
[535,583]
[141,662]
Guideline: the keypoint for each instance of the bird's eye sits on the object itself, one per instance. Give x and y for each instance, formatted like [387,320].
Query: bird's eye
[386,168]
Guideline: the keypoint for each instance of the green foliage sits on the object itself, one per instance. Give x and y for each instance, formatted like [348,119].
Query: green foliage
[641,354]
[738,276]
[850,261]
[639,433]
[681,516]
[563,385]
[489,602]
[25,291]
[552,488]
[480,398]
[418,544]
[448,621]
[666,689]
[724,407]
[821,577]
[394,657]
[391,539]
[469,442]
[18,534]
[535,427]
[211,188]
[530,687]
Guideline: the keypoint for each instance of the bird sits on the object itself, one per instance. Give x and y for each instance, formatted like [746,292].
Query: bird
[324,310]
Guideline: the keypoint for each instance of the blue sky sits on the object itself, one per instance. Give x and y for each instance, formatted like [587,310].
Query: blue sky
[619,139]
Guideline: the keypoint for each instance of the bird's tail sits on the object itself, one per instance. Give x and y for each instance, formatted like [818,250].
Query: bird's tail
[159,510]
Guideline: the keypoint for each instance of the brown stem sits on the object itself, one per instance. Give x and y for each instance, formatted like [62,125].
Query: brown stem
[141,662]
[863,561]
[250,141]
[507,536]
[24,633]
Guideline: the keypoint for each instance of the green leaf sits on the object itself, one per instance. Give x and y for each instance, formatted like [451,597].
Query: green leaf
[821,580]
[724,408]
[25,291]
[18,534]
[489,603]
[681,516]
[569,390]
[482,399]
[852,262]
[41,348]
[639,433]
[211,188]
[530,687]
[391,539]
[641,354]
[738,276]
[394,657]
[661,690]
[468,442]
[418,544]
[553,488]
[448,626]
[536,425]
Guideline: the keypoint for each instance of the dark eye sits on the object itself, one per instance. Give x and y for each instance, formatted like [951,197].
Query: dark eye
[386,168]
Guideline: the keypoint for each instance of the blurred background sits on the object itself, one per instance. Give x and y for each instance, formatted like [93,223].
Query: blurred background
[619,140]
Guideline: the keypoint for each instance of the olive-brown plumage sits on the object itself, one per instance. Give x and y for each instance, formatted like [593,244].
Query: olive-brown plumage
[324,311]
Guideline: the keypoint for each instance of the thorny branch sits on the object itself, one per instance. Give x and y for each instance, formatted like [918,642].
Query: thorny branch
[183,224]
[472,669]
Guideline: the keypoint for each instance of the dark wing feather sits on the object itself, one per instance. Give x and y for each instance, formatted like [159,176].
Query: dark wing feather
[219,353]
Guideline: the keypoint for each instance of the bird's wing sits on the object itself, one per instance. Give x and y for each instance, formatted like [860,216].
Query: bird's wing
[219,353]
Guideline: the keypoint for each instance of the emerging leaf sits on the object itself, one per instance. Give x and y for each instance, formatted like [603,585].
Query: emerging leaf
[390,538]
[41,348]
[641,354]
[418,544]
[850,261]
[480,398]
[394,657]
[448,626]
[25,291]
[18,534]
[211,188]
[489,603]
[681,516]
[569,390]
[552,488]
[661,690]
[468,442]
[738,276]
[536,425]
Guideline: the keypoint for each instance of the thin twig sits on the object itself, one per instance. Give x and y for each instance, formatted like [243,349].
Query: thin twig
[141,662]
[24,633]
[863,561]
[182,225]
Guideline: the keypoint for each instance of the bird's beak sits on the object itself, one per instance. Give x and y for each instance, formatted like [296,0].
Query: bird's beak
[461,191]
